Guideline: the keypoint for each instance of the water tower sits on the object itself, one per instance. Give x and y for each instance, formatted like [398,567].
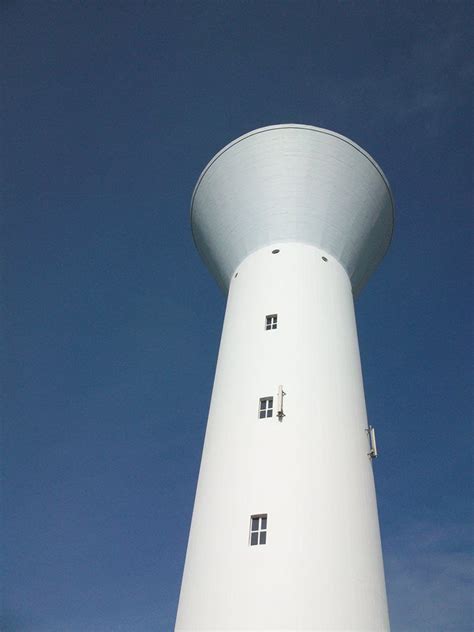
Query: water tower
[291,220]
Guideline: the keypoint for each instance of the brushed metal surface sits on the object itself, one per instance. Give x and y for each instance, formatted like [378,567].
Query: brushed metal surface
[292,183]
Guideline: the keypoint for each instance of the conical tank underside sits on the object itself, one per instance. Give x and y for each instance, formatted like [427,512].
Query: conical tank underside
[292,183]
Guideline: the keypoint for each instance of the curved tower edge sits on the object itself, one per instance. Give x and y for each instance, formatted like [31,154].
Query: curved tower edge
[275,184]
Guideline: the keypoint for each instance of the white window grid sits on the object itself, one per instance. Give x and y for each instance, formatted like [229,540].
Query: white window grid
[271,321]
[258,529]
[265,408]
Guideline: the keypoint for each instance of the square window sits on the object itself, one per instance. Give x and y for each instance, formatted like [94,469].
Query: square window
[258,530]
[271,321]
[266,407]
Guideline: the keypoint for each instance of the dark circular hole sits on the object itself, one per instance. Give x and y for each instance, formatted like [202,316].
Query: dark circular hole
[235,274]
[275,252]
[324,258]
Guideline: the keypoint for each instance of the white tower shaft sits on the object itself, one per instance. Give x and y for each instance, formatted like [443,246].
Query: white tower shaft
[321,567]
[285,533]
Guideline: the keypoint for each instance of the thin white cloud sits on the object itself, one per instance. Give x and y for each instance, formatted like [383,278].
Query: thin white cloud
[429,573]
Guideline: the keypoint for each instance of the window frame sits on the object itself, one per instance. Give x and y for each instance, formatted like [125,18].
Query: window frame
[260,530]
[266,409]
[271,322]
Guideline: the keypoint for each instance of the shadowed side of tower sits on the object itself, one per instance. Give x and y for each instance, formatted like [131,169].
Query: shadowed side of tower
[291,220]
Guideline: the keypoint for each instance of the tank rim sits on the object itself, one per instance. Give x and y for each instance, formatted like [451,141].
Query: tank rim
[311,128]
[301,126]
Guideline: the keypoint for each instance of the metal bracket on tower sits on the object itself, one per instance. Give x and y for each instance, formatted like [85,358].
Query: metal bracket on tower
[372,453]
[281,393]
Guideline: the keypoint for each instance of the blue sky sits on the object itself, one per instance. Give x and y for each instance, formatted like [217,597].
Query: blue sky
[111,324]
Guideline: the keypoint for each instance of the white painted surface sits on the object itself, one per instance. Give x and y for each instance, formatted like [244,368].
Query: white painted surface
[321,568]
[292,183]
[309,193]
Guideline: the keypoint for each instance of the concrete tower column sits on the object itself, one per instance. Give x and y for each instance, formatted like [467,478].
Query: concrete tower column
[291,220]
